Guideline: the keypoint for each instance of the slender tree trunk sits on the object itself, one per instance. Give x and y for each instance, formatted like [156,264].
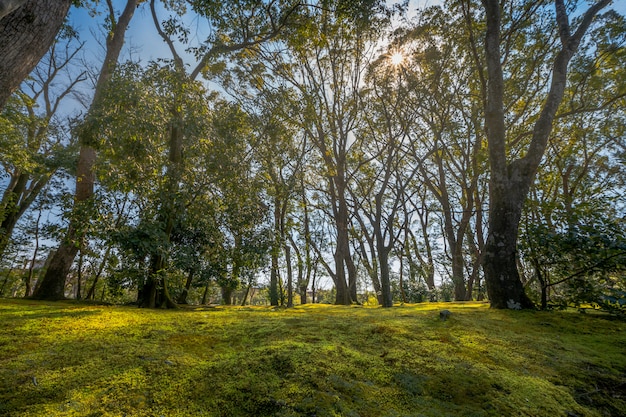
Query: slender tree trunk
[31,269]
[385,281]
[342,252]
[274,274]
[6,279]
[182,298]
[245,296]
[313,287]
[26,34]
[205,293]
[402,293]
[308,263]
[91,293]
[56,275]
[289,276]
[79,275]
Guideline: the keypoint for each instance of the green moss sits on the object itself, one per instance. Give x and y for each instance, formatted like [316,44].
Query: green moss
[64,359]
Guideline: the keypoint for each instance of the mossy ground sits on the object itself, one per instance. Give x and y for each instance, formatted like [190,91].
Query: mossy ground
[68,359]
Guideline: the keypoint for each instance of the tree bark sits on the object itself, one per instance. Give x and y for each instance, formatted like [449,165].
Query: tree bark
[342,251]
[85,177]
[289,276]
[274,273]
[26,34]
[182,298]
[53,283]
[510,182]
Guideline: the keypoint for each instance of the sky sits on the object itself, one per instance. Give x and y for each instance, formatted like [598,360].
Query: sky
[143,42]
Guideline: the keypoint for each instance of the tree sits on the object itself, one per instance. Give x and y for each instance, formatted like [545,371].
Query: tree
[34,145]
[27,30]
[511,178]
[384,172]
[53,283]
[445,127]
[325,65]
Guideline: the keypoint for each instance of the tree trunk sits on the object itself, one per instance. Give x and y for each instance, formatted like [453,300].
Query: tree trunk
[458,272]
[63,257]
[274,273]
[504,286]
[91,293]
[182,298]
[205,293]
[245,296]
[6,279]
[6,230]
[26,34]
[52,286]
[227,295]
[510,182]
[289,276]
[85,178]
[156,292]
[385,281]
[342,252]
[16,200]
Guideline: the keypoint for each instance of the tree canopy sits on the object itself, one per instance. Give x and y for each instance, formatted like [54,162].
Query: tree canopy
[348,152]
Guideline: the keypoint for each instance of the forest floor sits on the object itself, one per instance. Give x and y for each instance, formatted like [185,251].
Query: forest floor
[72,359]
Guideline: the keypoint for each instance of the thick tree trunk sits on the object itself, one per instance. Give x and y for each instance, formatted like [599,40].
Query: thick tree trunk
[342,296]
[26,34]
[156,292]
[52,286]
[458,272]
[303,295]
[504,286]
[510,182]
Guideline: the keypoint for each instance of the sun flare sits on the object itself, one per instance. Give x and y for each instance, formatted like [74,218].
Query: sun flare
[396,58]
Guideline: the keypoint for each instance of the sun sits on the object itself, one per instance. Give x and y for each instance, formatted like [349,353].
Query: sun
[396,58]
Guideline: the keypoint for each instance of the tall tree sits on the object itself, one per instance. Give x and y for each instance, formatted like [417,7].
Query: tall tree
[34,146]
[326,64]
[511,178]
[53,283]
[27,30]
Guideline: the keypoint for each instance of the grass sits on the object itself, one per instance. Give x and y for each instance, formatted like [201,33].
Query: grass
[68,359]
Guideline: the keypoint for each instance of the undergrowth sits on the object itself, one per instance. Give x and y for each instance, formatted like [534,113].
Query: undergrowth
[68,359]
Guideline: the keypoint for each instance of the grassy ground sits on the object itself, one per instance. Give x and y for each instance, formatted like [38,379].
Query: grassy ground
[65,359]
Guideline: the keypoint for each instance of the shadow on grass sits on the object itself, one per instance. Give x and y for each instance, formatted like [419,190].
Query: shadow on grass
[326,362]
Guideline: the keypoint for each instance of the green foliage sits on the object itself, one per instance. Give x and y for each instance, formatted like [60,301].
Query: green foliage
[582,256]
[73,359]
